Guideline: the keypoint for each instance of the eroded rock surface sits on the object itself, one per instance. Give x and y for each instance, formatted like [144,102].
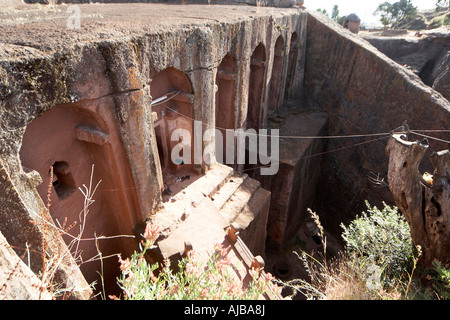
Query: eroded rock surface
[17,281]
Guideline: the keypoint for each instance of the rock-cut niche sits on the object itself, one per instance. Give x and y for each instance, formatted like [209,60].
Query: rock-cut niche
[173,103]
[225,111]
[275,81]
[75,140]
[256,88]
[293,49]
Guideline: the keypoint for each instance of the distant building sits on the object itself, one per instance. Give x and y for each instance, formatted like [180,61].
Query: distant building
[352,22]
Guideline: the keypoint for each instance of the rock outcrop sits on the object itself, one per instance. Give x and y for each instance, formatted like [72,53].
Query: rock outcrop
[426,54]
[17,281]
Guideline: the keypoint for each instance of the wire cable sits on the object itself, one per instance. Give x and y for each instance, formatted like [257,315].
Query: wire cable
[289,137]
[164,99]
[296,137]
[320,153]
[429,137]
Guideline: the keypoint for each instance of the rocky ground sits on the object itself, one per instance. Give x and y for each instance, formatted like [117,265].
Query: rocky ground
[424,52]
[407,34]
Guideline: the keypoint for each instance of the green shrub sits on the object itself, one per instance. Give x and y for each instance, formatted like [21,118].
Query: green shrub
[441,280]
[436,22]
[447,19]
[380,241]
[379,262]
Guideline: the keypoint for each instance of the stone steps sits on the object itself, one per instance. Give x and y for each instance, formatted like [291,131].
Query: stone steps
[180,207]
[240,197]
[213,180]
[242,202]
[201,212]
[221,197]
[203,228]
[252,207]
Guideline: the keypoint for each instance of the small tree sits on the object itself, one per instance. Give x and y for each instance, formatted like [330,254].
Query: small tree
[335,13]
[443,4]
[324,11]
[397,13]
[384,10]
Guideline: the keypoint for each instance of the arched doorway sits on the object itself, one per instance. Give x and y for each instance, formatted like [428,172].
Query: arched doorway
[173,102]
[275,90]
[256,88]
[293,49]
[225,111]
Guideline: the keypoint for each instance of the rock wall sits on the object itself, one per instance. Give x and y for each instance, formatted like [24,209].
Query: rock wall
[25,287]
[25,234]
[293,186]
[363,92]
[104,71]
[439,78]
[108,74]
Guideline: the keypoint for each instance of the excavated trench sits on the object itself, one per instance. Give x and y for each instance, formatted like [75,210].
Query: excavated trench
[82,139]
[308,79]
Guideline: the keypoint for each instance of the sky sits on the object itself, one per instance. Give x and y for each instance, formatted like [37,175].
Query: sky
[363,8]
